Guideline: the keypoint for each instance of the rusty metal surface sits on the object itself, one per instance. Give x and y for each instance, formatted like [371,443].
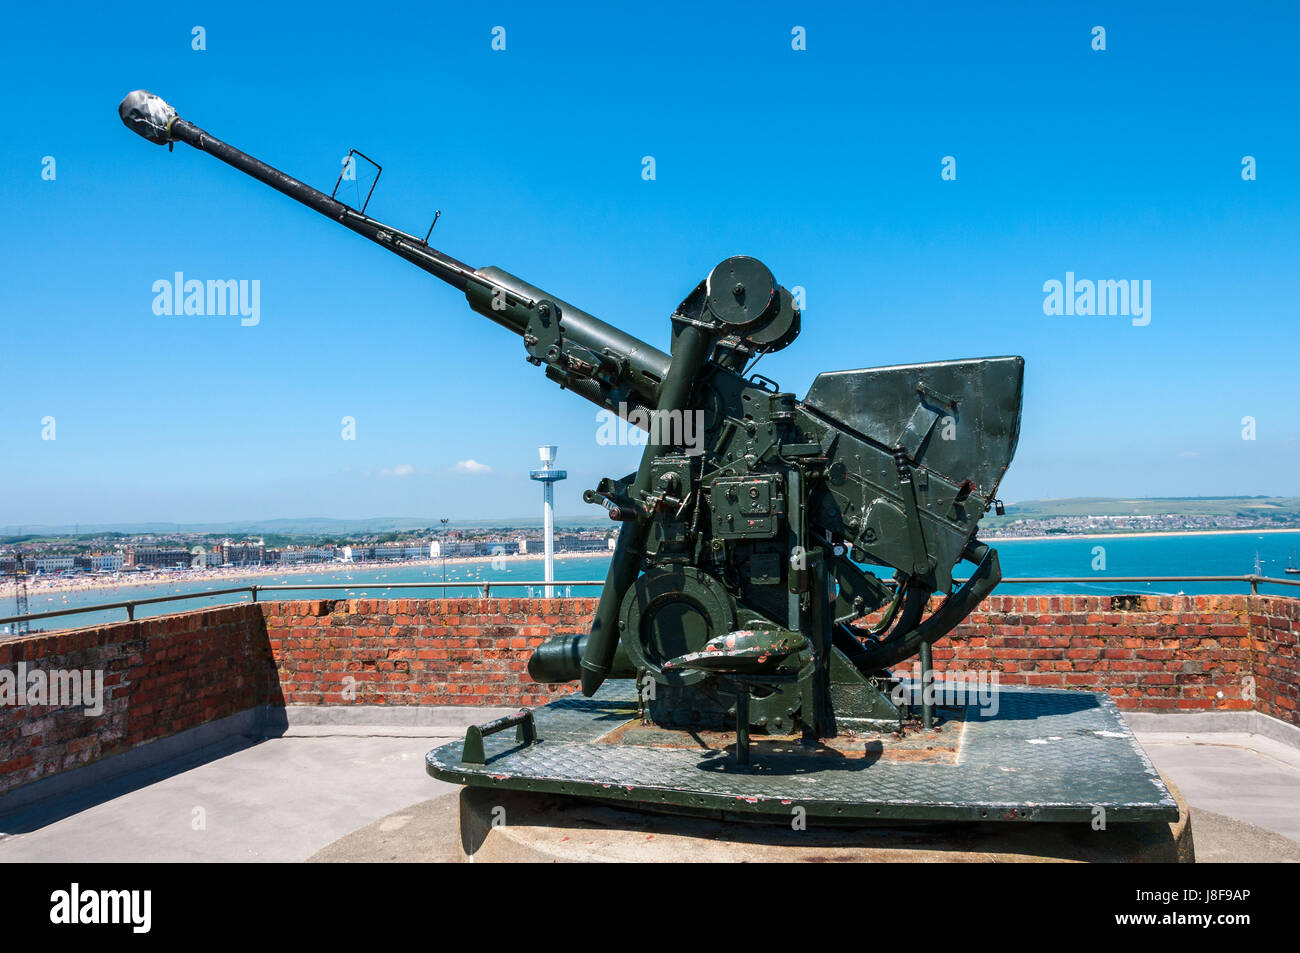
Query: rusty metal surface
[1046,755]
[938,746]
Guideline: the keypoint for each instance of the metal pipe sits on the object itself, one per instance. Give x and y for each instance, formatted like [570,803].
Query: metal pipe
[406,585]
[503,298]
[690,353]
[455,273]
[103,606]
[1025,580]
[927,673]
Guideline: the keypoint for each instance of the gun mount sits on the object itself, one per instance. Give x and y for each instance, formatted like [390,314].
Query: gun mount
[737,588]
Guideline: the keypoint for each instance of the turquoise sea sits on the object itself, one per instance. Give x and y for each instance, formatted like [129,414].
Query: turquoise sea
[1182,555]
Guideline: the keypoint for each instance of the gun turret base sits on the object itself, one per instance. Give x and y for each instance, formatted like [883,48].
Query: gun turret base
[1042,755]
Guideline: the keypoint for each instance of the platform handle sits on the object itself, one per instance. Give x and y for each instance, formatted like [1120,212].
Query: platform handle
[525,734]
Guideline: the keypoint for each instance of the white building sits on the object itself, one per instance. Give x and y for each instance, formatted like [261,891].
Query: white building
[51,563]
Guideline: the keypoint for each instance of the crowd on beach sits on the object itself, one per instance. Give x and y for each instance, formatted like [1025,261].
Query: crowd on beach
[112,581]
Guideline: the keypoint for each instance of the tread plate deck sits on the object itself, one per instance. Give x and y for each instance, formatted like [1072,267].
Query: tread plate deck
[1045,755]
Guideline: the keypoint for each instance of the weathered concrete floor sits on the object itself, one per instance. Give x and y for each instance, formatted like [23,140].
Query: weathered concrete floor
[278,800]
[290,797]
[1247,777]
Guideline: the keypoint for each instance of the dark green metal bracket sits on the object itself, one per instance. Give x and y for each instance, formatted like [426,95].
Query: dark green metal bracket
[525,734]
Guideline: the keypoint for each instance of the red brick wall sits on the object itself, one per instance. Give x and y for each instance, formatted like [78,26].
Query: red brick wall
[171,673]
[1174,653]
[1168,653]
[161,676]
[1275,628]
[415,651]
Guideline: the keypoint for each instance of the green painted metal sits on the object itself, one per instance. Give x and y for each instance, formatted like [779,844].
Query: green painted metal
[1044,755]
[750,510]
[525,734]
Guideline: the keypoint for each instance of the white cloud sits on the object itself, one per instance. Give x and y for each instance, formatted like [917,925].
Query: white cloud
[401,470]
[472,466]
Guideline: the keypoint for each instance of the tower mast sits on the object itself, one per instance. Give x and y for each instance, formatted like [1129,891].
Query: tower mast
[548,477]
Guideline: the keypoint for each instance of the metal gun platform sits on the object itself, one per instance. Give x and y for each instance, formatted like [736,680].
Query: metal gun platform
[1045,755]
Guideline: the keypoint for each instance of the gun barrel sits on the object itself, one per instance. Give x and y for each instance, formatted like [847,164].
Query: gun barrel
[454,272]
[494,293]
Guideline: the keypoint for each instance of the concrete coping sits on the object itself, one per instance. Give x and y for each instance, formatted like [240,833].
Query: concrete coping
[1215,722]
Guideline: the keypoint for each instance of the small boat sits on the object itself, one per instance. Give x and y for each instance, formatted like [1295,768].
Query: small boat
[1291,568]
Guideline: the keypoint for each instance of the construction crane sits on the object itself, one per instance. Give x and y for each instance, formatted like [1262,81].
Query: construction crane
[21,627]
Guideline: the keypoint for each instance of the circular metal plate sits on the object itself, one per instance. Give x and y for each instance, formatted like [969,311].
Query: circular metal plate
[670,611]
[740,290]
[781,330]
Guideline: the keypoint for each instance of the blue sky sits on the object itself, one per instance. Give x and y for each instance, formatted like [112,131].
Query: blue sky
[825,163]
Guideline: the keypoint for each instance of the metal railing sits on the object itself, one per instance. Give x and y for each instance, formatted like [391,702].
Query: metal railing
[129,605]
[1255,581]
[485,588]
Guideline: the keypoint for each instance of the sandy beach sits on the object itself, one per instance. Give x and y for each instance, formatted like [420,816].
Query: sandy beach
[274,574]
[269,574]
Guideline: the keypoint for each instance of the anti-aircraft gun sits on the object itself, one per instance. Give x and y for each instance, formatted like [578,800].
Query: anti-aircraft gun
[736,590]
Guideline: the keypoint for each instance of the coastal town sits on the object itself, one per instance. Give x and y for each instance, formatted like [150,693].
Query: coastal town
[84,559]
[109,558]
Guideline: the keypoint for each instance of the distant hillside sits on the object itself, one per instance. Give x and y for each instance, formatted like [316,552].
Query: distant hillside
[1158,514]
[1243,506]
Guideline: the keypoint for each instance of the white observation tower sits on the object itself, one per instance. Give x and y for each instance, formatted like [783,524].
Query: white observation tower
[548,477]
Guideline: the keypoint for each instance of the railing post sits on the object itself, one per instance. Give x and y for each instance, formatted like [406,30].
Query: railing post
[253,590]
[1254,585]
[927,674]
[130,612]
